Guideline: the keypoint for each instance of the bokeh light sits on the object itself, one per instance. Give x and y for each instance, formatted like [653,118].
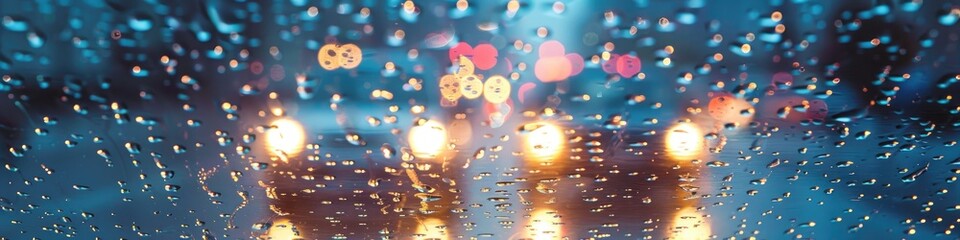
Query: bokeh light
[285,137]
[544,141]
[428,140]
[544,224]
[688,223]
[684,141]
[431,229]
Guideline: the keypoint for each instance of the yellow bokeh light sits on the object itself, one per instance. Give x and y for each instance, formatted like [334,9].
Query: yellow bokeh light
[684,141]
[689,224]
[428,139]
[513,6]
[286,137]
[282,229]
[544,141]
[431,228]
[544,224]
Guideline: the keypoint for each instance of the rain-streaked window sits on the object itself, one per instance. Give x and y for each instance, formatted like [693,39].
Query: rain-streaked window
[479,119]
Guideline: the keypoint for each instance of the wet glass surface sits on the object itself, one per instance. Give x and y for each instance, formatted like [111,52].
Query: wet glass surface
[470,119]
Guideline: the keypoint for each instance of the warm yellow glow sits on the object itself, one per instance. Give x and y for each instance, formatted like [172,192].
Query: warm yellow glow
[544,141]
[282,229]
[689,224]
[286,137]
[544,224]
[428,139]
[513,6]
[684,141]
[431,228]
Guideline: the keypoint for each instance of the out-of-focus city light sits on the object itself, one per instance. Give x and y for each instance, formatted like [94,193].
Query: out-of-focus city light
[428,139]
[282,229]
[689,224]
[544,224]
[544,141]
[684,141]
[431,228]
[285,137]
